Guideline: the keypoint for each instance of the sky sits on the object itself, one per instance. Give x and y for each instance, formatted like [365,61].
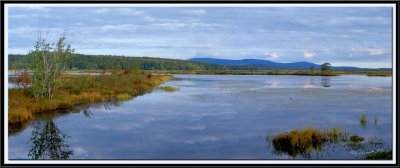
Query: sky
[342,36]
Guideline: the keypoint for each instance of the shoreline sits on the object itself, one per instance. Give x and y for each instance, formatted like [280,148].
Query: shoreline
[245,72]
[78,90]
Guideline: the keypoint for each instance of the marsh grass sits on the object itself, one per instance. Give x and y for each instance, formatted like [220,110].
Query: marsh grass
[363,121]
[307,140]
[304,141]
[78,89]
[379,155]
[383,74]
[124,96]
[169,88]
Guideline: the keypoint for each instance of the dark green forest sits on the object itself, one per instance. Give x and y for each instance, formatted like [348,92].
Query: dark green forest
[80,61]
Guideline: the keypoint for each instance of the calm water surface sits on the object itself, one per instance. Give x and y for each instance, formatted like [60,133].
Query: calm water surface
[215,117]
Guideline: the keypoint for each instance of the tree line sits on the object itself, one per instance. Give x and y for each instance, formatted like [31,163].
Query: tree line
[80,61]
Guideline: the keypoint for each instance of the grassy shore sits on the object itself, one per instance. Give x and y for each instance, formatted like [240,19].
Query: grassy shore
[80,89]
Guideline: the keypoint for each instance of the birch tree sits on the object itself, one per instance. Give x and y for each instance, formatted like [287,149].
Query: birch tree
[48,64]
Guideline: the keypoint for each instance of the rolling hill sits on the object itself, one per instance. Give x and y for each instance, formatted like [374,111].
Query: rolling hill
[259,64]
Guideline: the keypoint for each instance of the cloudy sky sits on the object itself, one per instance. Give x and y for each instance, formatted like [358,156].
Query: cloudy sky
[343,36]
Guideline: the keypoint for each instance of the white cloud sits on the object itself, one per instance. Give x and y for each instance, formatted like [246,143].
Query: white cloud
[261,30]
[272,55]
[102,10]
[154,19]
[38,8]
[121,27]
[355,52]
[195,12]
[367,51]
[150,18]
[309,54]
[129,11]
[17,16]
[375,51]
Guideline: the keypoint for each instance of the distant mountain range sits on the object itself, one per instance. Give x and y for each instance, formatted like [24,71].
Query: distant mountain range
[259,64]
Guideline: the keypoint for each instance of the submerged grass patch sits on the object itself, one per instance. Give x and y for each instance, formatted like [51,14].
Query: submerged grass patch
[169,88]
[79,89]
[379,155]
[363,120]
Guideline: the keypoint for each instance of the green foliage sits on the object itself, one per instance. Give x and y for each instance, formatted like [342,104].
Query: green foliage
[48,63]
[80,61]
[325,67]
[116,69]
[135,67]
[75,91]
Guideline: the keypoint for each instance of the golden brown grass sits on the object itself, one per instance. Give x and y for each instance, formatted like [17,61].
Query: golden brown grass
[78,89]
[302,141]
[169,88]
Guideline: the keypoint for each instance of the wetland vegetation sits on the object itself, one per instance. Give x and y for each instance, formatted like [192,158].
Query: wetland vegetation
[80,89]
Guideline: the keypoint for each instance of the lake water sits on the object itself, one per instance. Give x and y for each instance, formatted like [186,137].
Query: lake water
[215,117]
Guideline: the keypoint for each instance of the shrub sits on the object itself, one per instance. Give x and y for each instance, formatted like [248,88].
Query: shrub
[23,79]
[149,76]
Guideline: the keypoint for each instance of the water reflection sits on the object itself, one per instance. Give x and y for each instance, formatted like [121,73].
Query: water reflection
[15,129]
[326,81]
[87,112]
[48,142]
[213,120]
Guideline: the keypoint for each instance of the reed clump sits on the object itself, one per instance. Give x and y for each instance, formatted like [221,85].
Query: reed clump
[363,120]
[303,141]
